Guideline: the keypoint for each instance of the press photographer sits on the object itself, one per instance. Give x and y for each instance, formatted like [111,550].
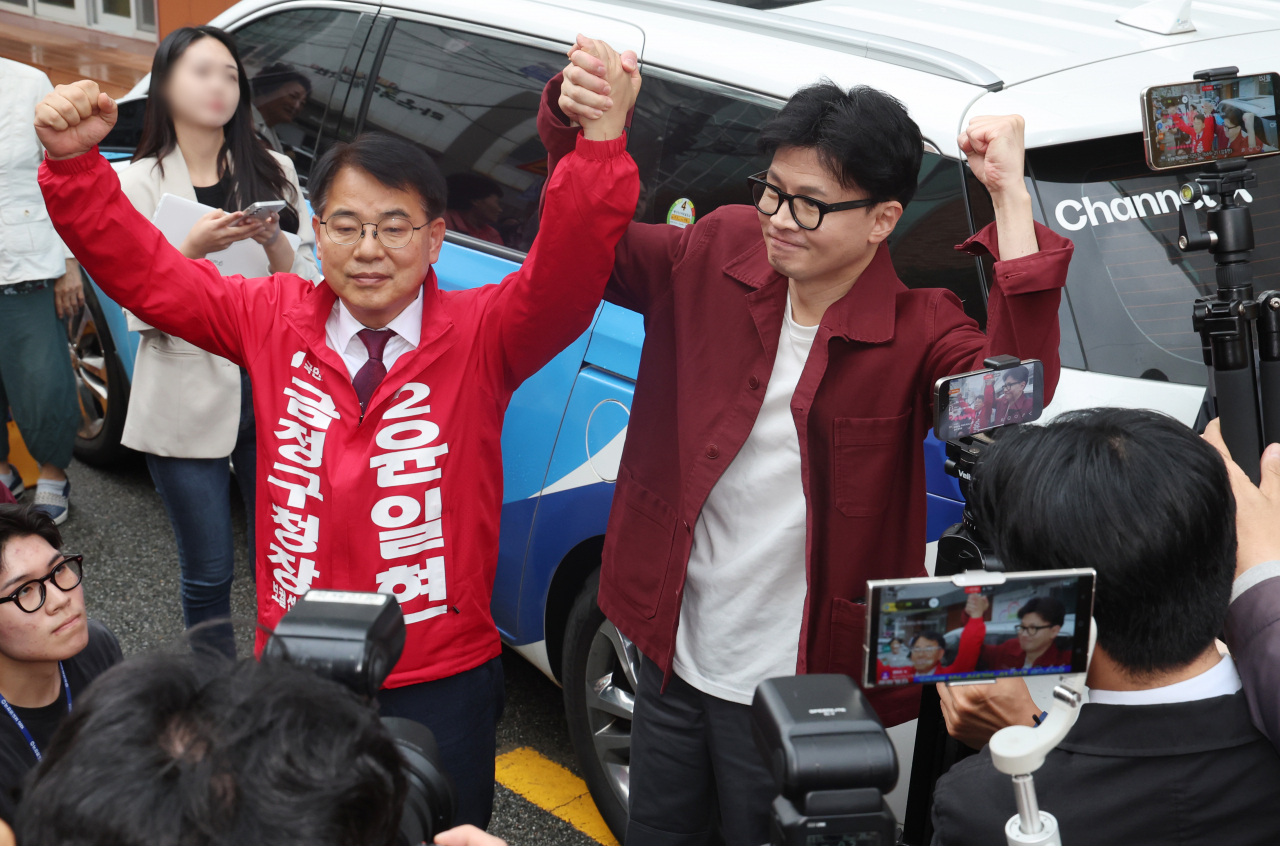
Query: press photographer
[1164,751]
[1253,632]
[199,750]
[50,650]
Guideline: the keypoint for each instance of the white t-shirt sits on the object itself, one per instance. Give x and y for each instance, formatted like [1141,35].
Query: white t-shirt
[746,584]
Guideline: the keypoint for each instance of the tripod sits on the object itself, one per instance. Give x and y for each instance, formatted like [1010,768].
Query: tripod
[1233,322]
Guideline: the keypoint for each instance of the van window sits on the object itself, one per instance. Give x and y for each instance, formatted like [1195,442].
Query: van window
[695,146]
[471,102]
[933,223]
[295,60]
[1131,288]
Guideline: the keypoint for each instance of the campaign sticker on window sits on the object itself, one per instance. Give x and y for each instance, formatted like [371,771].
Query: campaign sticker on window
[681,212]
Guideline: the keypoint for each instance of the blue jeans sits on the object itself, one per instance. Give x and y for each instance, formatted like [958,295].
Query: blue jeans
[197,494]
[462,712]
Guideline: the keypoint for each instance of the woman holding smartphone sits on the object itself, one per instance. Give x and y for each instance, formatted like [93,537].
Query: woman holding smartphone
[191,412]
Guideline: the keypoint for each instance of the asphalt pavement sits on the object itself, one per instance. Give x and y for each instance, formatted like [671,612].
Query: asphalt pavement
[118,523]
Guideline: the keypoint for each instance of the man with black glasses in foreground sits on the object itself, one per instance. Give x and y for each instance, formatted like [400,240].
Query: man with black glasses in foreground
[49,648]
[773,462]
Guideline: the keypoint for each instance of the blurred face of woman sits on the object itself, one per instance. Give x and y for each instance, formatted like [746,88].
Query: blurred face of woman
[204,85]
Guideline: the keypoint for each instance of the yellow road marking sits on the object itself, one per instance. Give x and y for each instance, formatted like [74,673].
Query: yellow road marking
[554,789]
[19,457]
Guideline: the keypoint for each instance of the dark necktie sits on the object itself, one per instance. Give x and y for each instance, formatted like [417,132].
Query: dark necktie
[373,371]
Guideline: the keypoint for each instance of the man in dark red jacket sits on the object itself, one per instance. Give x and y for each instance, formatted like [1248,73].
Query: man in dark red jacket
[770,467]
[379,397]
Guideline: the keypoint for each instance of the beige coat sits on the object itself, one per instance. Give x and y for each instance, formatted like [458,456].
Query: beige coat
[185,402]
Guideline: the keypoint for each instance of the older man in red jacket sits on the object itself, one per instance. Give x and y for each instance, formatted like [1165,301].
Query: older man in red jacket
[379,398]
[770,467]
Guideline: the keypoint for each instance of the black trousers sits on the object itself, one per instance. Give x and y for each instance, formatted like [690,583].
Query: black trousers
[462,711]
[691,754]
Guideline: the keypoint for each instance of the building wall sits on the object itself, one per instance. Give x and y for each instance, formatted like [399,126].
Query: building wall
[173,14]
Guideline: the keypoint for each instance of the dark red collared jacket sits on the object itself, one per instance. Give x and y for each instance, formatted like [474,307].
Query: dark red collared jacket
[713,309]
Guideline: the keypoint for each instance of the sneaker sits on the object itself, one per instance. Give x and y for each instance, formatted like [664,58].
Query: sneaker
[15,487]
[56,505]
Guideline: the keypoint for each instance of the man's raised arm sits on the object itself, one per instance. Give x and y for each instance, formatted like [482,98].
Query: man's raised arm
[1029,274]
[590,198]
[127,256]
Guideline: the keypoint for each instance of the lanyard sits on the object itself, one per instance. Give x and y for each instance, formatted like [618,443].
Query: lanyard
[21,727]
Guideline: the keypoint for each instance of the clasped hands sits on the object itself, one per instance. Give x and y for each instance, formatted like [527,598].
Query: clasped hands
[599,88]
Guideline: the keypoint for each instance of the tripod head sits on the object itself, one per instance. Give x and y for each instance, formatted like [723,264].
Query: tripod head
[1229,233]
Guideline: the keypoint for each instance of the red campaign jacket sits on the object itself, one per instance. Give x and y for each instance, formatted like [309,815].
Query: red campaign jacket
[975,629]
[406,501]
[713,309]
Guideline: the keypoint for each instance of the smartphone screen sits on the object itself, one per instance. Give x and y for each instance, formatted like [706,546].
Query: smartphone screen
[1194,122]
[969,403]
[978,625]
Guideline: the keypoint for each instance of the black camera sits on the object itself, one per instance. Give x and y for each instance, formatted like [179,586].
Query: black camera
[831,761]
[355,639]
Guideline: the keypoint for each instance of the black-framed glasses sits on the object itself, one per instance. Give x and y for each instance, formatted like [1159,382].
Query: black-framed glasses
[393,232]
[1030,630]
[805,211]
[66,574]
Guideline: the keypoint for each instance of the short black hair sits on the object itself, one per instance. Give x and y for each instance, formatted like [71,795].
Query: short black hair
[23,521]
[1019,374]
[274,77]
[1049,609]
[1135,495]
[467,187]
[192,750]
[929,634]
[863,136]
[394,162]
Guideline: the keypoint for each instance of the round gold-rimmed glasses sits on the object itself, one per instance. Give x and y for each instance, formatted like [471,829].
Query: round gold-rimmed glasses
[392,232]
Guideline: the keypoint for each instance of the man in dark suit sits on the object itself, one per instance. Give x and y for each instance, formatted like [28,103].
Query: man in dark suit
[1165,750]
[1253,623]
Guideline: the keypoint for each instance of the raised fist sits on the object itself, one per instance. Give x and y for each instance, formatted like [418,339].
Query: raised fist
[74,118]
[976,605]
[995,147]
[600,86]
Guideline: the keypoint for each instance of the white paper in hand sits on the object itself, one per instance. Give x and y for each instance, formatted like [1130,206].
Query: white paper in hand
[175,216]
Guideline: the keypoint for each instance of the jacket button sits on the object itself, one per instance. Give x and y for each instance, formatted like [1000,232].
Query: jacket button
[712,450]
[753,382]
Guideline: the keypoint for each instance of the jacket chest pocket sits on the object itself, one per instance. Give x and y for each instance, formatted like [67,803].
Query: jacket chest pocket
[865,453]
[26,230]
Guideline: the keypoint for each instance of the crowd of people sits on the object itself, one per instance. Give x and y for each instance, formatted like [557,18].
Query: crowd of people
[769,473]
[1205,127]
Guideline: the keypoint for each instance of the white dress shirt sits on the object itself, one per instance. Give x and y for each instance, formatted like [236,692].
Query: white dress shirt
[30,249]
[1222,679]
[340,334]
